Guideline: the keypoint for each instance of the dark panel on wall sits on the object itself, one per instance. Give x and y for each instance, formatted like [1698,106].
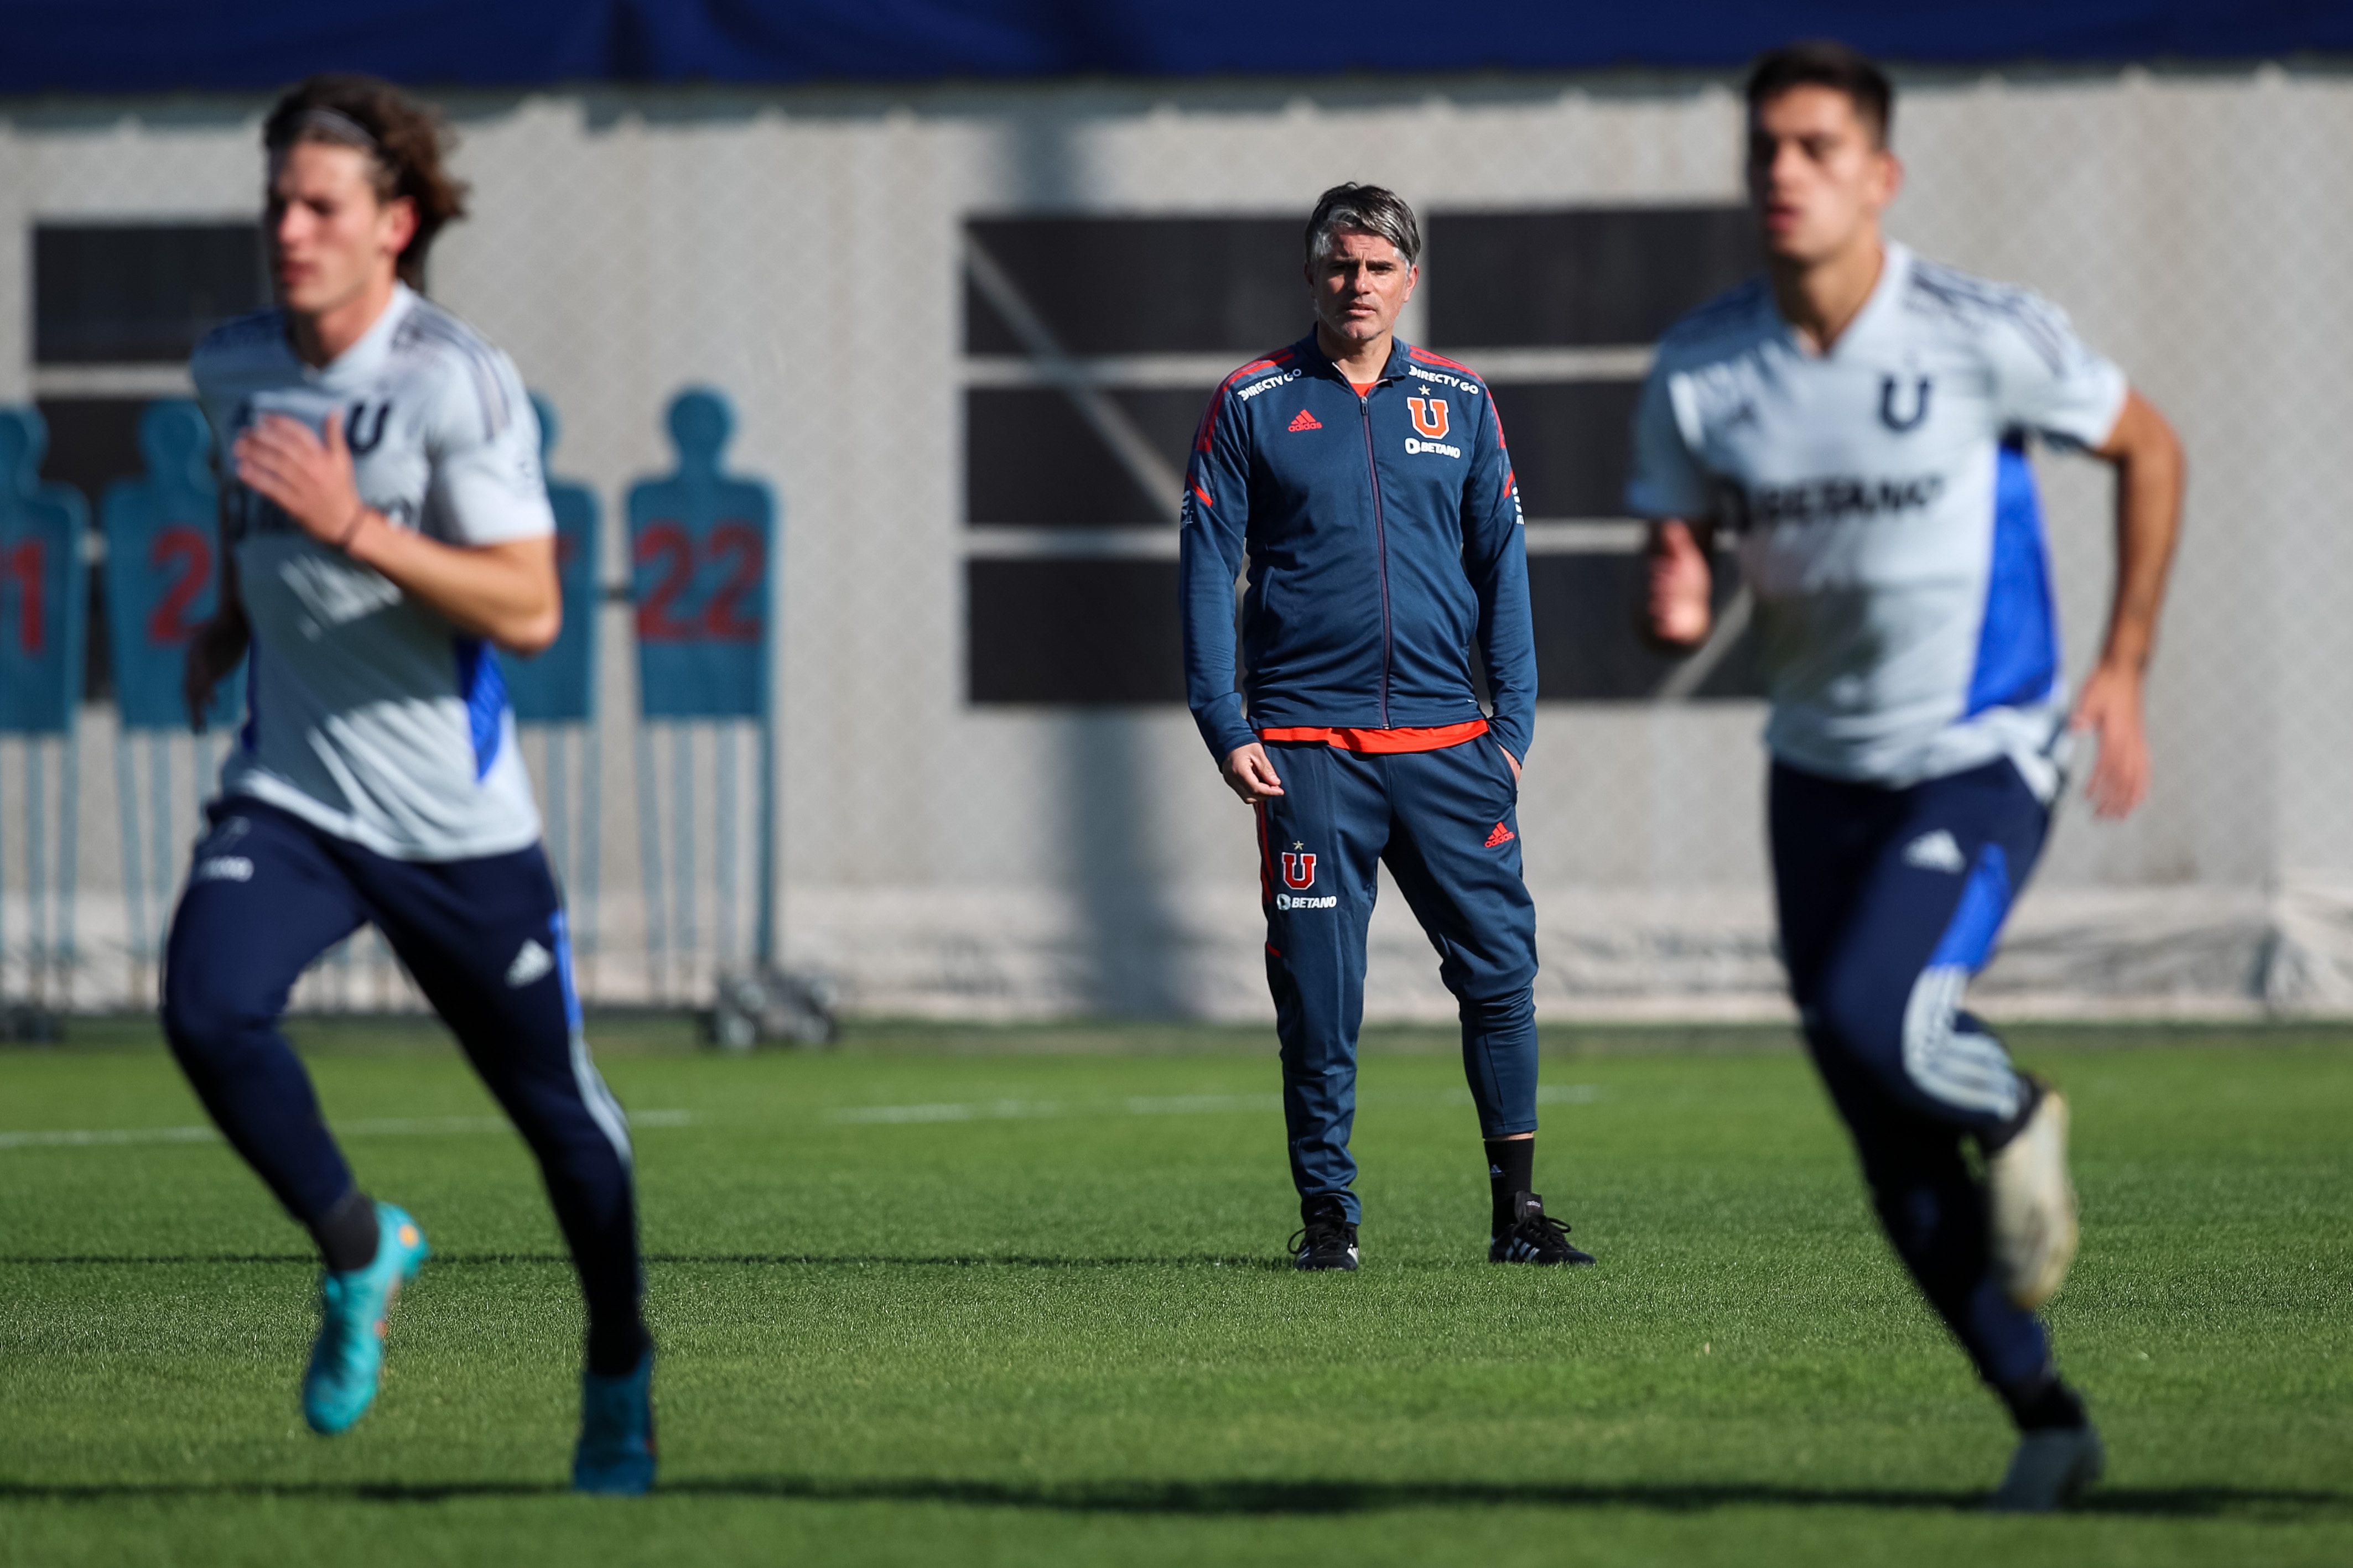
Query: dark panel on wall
[1569,443]
[93,441]
[1073,632]
[985,331]
[1580,277]
[1030,460]
[1146,285]
[1587,651]
[128,293]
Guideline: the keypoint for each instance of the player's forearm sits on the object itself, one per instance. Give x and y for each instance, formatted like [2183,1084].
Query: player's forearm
[1677,613]
[506,593]
[2150,472]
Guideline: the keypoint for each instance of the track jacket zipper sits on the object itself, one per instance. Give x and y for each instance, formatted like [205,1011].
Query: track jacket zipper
[1380,545]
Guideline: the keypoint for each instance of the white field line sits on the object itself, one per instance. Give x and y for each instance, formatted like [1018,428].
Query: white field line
[973,1110]
[1150,1105]
[389,1127]
[986,1111]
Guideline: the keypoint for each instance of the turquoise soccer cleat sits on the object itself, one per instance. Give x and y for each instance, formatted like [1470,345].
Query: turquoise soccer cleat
[2051,1470]
[615,1457]
[348,1357]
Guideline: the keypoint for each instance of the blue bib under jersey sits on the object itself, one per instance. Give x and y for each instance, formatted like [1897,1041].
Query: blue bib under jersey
[1884,514]
[370,716]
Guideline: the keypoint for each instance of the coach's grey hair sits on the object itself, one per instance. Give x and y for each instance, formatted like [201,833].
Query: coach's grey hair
[1362,209]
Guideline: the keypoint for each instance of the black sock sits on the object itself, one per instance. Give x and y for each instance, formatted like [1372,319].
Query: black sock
[1990,1143]
[1511,1170]
[347,1238]
[616,1348]
[2044,1404]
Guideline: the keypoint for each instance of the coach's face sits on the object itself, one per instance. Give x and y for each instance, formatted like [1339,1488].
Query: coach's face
[1360,284]
[330,239]
[1818,176]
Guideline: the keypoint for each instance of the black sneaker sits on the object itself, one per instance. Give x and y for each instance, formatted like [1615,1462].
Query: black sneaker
[1327,1239]
[1534,1237]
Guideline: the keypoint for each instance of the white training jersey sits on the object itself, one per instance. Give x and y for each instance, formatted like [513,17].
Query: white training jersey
[1885,512]
[367,713]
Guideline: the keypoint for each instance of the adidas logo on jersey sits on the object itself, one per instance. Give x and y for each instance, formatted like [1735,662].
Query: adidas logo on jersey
[529,964]
[1306,421]
[1935,851]
[1501,834]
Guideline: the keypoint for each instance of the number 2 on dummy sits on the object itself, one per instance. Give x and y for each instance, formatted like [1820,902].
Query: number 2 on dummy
[168,625]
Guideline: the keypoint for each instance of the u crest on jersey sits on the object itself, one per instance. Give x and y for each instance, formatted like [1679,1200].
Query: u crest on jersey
[1298,871]
[359,434]
[1899,423]
[1428,417]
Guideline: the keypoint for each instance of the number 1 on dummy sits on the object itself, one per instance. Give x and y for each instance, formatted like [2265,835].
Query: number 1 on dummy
[44,596]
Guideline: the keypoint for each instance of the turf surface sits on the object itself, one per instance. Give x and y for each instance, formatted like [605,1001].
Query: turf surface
[957,1297]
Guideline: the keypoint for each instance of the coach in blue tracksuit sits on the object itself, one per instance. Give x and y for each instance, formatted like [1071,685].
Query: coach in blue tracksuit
[1369,485]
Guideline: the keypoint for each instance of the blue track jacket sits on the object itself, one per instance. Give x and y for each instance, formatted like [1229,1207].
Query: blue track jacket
[1383,535]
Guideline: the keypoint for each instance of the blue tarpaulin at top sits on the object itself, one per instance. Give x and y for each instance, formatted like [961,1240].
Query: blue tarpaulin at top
[147,45]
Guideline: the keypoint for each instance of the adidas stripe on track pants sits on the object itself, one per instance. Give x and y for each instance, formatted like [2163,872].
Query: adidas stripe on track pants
[1446,824]
[484,940]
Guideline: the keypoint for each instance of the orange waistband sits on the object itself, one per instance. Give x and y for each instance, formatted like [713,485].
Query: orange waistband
[1382,742]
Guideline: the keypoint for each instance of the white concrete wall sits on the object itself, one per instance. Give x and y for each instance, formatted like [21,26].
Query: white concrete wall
[799,250]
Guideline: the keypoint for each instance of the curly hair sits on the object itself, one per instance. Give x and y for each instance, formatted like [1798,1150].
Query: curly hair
[407,142]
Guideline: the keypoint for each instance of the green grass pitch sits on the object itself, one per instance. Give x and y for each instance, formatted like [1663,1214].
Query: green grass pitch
[949,1297]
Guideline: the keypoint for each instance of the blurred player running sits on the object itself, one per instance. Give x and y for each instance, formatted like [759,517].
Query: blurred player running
[387,524]
[1857,421]
[1369,483]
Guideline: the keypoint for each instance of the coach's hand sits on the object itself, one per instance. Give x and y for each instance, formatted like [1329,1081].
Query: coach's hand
[1676,613]
[2111,709]
[309,479]
[1249,775]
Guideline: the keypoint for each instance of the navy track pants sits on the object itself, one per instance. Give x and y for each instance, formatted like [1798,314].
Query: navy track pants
[1446,824]
[1890,900]
[484,940]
